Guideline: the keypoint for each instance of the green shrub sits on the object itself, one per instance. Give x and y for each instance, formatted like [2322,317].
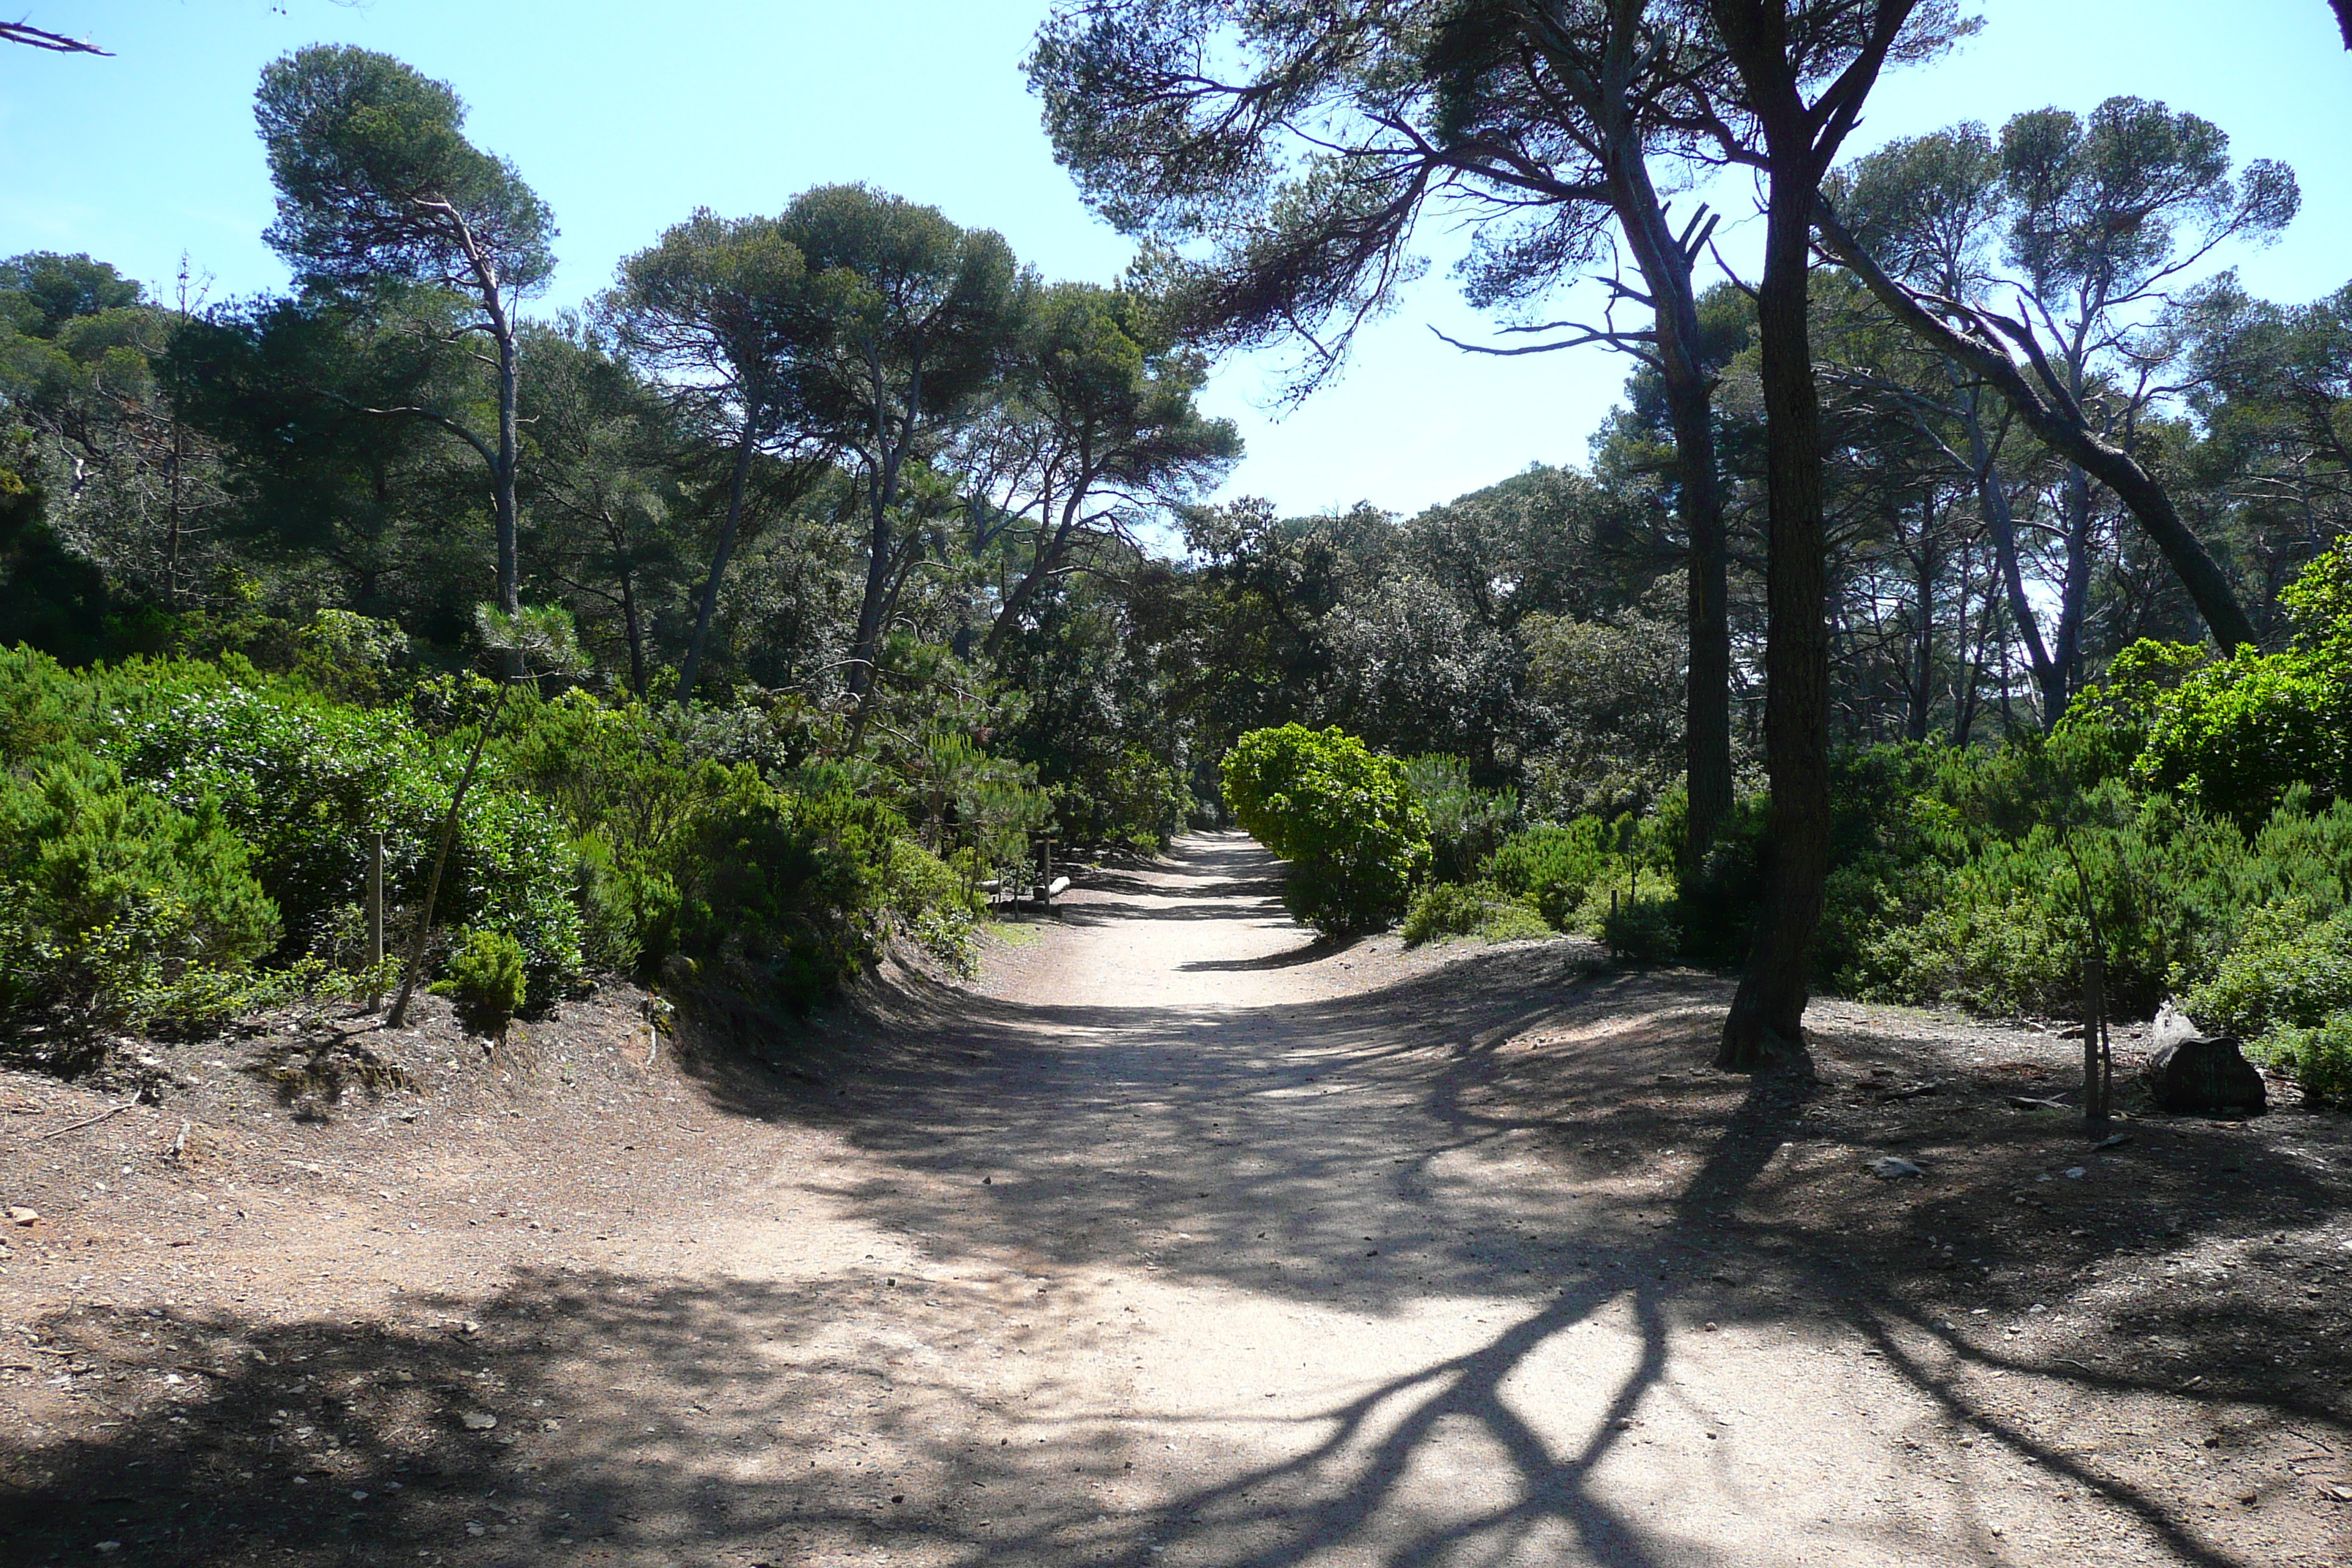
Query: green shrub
[2233,736]
[1467,823]
[485,976]
[1550,866]
[305,781]
[118,911]
[2319,1056]
[1643,928]
[1451,909]
[2286,970]
[2006,930]
[930,904]
[1343,815]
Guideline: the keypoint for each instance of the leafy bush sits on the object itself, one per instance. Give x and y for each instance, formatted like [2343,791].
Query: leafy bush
[2319,1056]
[2007,931]
[1343,815]
[1643,928]
[1467,823]
[1451,909]
[2286,970]
[118,911]
[2233,736]
[1550,866]
[485,975]
[306,781]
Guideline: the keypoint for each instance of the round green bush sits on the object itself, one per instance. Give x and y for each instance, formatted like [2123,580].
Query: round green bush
[1344,816]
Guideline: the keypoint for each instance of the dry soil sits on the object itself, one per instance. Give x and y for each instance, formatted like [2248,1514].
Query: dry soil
[1174,1237]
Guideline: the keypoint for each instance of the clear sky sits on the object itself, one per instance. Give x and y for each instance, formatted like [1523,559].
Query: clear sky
[625,116]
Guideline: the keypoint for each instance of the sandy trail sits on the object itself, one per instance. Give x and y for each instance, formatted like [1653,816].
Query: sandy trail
[1182,1239]
[1282,1299]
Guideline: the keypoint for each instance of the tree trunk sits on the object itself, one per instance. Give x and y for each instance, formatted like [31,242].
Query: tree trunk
[882,494]
[1665,267]
[1767,1012]
[707,603]
[1992,504]
[502,471]
[1923,640]
[635,632]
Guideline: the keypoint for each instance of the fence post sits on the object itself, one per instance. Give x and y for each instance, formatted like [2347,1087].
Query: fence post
[375,919]
[2095,1030]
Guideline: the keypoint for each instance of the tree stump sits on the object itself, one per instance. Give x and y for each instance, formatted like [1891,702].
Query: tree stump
[2190,1071]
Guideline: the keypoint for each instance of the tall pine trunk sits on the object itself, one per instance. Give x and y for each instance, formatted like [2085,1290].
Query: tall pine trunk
[1767,1012]
[707,606]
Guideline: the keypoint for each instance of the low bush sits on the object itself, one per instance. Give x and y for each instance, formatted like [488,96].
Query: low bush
[1445,909]
[1643,928]
[2286,970]
[2318,1057]
[483,975]
[1550,866]
[1467,823]
[117,911]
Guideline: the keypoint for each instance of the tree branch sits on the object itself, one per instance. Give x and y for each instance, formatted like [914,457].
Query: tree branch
[58,43]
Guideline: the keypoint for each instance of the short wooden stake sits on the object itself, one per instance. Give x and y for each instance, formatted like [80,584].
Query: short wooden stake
[375,920]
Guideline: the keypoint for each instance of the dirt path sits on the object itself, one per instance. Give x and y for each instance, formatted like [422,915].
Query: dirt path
[1182,1239]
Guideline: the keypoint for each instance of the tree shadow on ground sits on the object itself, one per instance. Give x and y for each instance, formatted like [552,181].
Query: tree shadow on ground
[1520,1130]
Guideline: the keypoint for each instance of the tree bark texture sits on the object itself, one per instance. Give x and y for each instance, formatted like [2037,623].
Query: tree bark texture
[1799,140]
[1767,1012]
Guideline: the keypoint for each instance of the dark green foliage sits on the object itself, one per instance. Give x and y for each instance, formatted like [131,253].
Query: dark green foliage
[1550,866]
[484,976]
[117,910]
[1343,815]
[1467,823]
[304,782]
[1641,927]
[50,598]
[354,137]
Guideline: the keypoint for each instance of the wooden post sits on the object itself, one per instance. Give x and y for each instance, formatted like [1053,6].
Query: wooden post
[2094,1030]
[375,919]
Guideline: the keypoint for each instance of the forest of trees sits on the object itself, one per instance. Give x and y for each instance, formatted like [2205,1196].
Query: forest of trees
[827,561]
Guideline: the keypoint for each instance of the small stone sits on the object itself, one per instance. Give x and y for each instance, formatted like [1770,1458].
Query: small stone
[477,1420]
[1888,1167]
[18,1215]
[2341,1494]
[359,1497]
[2036,1309]
[403,1377]
[109,1546]
[2074,1172]
[473,1527]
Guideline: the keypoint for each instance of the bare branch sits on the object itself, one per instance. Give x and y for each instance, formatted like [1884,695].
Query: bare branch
[58,43]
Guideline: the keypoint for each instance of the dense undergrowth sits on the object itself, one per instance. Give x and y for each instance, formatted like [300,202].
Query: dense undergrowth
[185,840]
[2189,822]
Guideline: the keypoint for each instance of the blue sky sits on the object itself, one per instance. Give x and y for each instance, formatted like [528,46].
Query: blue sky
[625,124]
